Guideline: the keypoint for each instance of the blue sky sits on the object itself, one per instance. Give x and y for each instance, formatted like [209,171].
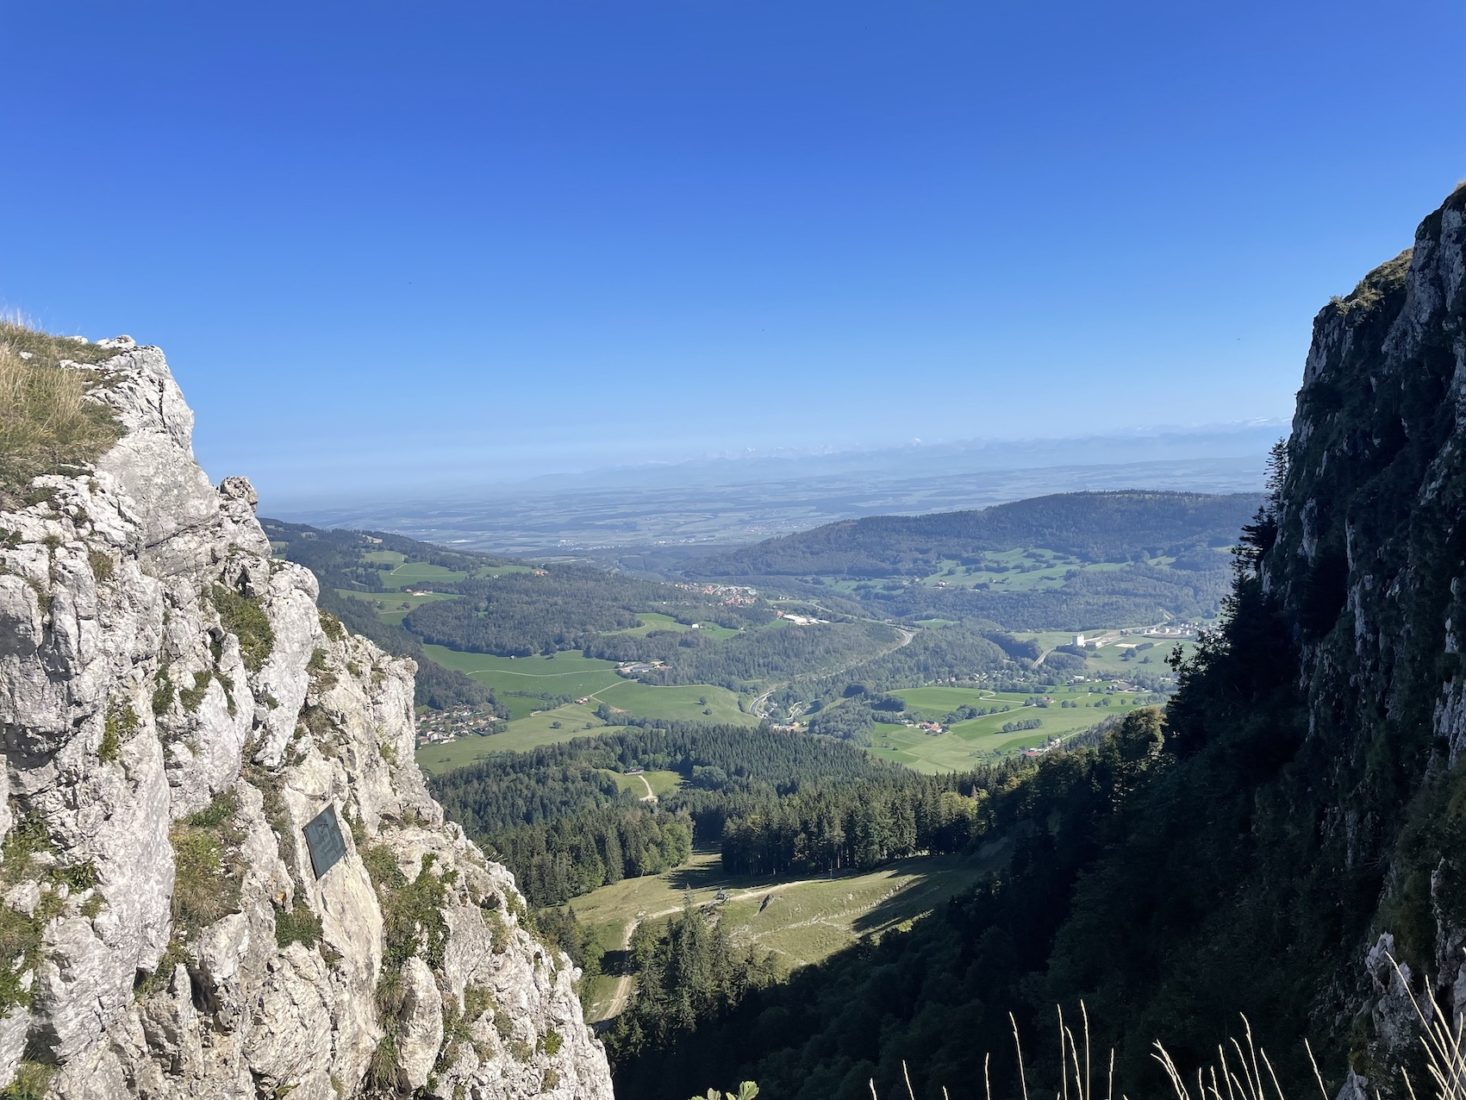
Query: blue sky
[396,246]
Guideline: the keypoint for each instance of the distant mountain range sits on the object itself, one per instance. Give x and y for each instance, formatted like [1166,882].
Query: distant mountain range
[727,501]
[1091,527]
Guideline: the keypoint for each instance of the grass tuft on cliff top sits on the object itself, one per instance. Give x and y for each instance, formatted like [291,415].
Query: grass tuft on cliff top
[1375,286]
[46,421]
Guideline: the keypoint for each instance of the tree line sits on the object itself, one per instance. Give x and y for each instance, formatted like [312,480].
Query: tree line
[559,821]
[832,828]
[831,1027]
[687,971]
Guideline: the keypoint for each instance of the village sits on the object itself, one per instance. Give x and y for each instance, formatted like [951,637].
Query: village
[730,595]
[438,727]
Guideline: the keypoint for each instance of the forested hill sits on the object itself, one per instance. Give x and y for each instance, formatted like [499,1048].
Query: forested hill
[1074,561]
[1092,527]
[347,563]
[1301,818]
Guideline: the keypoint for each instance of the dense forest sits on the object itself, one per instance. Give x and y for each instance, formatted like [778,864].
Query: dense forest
[830,1028]
[688,971]
[772,802]
[559,607]
[1113,557]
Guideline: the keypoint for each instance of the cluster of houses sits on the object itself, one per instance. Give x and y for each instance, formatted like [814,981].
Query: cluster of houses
[437,727]
[634,669]
[1040,750]
[730,595]
[925,727]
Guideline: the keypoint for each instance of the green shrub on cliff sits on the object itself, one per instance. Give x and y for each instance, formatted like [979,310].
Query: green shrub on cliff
[207,867]
[243,617]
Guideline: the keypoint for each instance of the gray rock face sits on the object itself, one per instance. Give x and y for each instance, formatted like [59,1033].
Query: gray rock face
[1369,571]
[173,710]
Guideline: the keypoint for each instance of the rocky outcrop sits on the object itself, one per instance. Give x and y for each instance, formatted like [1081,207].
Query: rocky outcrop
[1369,566]
[174,711]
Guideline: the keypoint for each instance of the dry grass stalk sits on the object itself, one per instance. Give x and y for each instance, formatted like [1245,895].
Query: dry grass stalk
[1442,1043]
[1242,1070]
[47,422]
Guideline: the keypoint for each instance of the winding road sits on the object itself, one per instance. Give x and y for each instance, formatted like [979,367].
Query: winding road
[759,707]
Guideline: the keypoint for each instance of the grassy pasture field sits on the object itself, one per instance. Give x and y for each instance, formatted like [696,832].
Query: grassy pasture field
[655,620]
[522,683]
[561,674]
[802,921]
[1150,655]
[395,605]
[521,735]
[418,572]
[1110,658]
[579,676]
[1021,570]
[398,572]
[968,742]
[680,701]
[660,782]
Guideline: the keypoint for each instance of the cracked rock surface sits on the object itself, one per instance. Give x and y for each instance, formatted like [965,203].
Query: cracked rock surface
[173,710]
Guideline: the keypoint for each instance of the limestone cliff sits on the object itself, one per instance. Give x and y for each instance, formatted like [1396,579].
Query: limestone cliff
[1369,567]
[174,710]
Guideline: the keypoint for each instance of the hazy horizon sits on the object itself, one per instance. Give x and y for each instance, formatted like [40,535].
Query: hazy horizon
[1160,444]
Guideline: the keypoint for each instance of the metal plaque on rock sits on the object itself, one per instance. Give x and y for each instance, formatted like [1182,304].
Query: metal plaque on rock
[323,838]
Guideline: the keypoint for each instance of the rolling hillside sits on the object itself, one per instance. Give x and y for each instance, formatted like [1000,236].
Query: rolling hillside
[1073,561]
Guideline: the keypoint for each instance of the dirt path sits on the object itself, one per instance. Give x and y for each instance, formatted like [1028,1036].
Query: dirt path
[651,795]
[622,992]
[624,983]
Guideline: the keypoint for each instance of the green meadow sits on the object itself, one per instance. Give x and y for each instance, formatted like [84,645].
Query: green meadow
[800,921]
[688,702]
[418,572]
[522,685]
[559,674]
[549,727]
[398,572]
[969,742]
[654,621]
[660,782]
[1021,570]
[1148,654]
[393,607]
